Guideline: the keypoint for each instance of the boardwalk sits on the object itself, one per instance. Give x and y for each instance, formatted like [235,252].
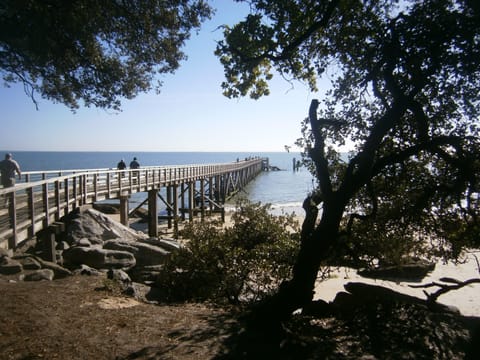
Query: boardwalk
[45,197]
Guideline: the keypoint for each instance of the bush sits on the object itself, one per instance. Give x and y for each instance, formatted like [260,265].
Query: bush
[244,262]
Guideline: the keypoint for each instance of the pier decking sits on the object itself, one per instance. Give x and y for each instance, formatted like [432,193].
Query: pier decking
[43,198]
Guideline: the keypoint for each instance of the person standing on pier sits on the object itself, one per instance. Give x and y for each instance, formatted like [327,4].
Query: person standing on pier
[8,167]
[121,165]
[134,164]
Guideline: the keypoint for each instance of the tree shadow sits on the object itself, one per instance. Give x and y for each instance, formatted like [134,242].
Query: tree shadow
[353,329]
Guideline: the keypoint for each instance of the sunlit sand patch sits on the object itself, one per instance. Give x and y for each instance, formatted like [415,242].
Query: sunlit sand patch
[117,303]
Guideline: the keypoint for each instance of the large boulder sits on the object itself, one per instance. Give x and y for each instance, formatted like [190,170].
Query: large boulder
[10,266]
[167,244]
[415,270]
[38,275]
[97,228]
[145,254]
[99,258]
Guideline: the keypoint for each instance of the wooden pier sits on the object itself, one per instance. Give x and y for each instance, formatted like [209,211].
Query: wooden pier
[188,190]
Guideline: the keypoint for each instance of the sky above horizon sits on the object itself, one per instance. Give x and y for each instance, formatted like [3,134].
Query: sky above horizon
[189,114]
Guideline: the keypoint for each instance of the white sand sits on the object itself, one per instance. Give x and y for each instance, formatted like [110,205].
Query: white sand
[467,299]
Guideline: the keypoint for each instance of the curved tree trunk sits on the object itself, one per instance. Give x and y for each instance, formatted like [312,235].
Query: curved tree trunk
[316,243]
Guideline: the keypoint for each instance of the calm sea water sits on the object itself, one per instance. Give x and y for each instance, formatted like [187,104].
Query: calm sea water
[284,190]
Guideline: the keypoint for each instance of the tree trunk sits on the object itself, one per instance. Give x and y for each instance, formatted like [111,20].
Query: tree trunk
[315,247]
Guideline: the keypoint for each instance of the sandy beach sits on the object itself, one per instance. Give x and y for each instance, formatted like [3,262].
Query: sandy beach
[465,299]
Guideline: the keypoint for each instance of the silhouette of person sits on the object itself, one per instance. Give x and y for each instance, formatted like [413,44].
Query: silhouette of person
[8,167]
[121,165]
[134,164]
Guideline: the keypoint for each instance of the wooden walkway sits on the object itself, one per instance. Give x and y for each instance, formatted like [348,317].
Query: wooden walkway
[43,198]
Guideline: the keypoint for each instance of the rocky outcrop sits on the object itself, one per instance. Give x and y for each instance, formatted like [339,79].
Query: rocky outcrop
[145,254]
[94,244]
[99,258]
[28,267]
[98,228]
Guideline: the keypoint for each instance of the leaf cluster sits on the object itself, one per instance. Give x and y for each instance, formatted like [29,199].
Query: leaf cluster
[405,91]
[241,263]
[97,52]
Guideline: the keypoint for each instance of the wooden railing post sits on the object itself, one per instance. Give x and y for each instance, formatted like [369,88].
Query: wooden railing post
[67,198]
[54,230]
[12,213]
[109,189]
[124,209]
[46,208]
[57,200]
[31,211]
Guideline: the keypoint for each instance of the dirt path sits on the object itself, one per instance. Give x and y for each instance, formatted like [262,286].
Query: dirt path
[76,318]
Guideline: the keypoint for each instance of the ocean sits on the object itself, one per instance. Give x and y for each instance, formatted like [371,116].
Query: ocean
[284,190]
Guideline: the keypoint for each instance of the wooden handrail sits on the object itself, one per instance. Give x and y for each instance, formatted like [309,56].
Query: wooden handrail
[48,195]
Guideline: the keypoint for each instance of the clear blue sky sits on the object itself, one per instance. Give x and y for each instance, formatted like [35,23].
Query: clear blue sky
[190,113]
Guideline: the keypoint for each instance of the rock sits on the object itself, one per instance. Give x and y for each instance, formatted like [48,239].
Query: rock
[82,242]
[144,293]
[107,208]
[10,266]
[98,227]
[87,270]
[413,271]
[142,213]
[5,253]
[366,293]
[99,258]
[120,276]
[167,244]
[145,254]
[60,271]
[62,245]
[39,275]
[29,263]
[146,274]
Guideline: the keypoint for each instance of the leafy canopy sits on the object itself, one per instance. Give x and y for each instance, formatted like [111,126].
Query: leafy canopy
[94,51]
[405,91]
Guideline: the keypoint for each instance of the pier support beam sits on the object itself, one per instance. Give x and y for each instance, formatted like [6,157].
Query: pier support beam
[152,213]
[124,209]
[191,200]
[175,211]
[169,206]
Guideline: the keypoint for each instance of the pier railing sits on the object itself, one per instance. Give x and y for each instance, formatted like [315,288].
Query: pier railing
[44,197]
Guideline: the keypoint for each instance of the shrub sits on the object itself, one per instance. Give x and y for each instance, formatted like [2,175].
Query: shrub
[244,262]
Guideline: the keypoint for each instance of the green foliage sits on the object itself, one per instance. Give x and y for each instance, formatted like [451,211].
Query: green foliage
[405,79]
[95,51]
[244,262]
